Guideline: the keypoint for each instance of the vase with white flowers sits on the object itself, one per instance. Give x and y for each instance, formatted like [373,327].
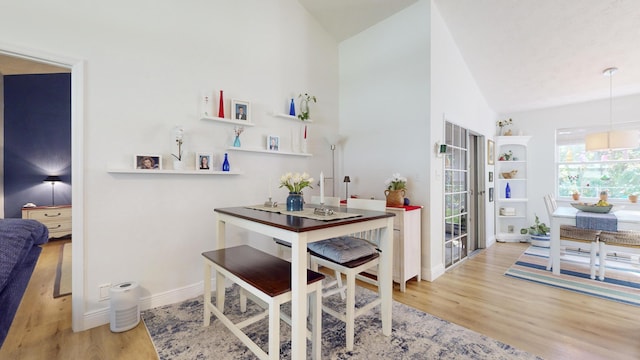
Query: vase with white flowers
[396,190]
[295,183]
[178,133]
[502,124]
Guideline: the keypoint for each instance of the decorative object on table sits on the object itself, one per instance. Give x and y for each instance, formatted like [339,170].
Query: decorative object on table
[225,163]
[237,130]
[295,183]
[304,105]
[396,190]
[604,196]
[53,179]
[510,174]
[539,233]
[507,192]
[147,162]
[633,198]
[273,143]
[203,161]
[611,140]
[292,108]
[491,152]
[346,181]
[240,110]
[221,106]
[270,203]
[502,124]
[322,210]
[178,134]
[594,208]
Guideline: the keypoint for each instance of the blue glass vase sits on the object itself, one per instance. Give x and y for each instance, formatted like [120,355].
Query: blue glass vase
[236,142]
[292,109]
[225,163]
[295,202]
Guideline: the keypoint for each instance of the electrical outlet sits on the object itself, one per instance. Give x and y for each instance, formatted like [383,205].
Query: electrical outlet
[104,291]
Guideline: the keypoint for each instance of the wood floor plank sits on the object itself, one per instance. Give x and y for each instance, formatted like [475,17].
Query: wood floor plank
[549,322]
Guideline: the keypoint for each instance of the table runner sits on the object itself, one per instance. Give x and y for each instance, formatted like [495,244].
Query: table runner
[596,221]
[306,213]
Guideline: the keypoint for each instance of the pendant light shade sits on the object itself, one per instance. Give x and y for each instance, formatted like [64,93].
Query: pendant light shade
[611,140]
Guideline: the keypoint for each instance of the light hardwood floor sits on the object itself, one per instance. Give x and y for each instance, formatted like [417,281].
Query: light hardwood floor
[551,323]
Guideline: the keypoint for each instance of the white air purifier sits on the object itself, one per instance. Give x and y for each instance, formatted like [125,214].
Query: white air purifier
[125,307]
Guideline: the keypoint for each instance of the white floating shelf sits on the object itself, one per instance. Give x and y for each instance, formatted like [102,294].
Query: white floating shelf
[173,172]
[228,121]
[268,151]
[295,118]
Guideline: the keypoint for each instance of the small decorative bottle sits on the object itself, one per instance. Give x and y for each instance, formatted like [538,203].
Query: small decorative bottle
[292,109]
[225,163]
[508,192]
[221,106]
[236,142]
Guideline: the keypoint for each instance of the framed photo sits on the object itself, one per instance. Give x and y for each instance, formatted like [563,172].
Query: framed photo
[273,143]
[491,157]
[240,110]
[204,162]
[490,176]
[147,162]
[490,194]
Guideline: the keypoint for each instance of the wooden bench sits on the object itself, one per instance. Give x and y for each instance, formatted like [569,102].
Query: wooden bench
[267,278]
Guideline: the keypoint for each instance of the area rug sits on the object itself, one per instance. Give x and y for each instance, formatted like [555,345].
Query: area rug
[622,277]
[177,333]
[62,284]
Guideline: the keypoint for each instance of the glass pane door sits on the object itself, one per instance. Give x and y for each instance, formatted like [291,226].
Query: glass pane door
[456,194]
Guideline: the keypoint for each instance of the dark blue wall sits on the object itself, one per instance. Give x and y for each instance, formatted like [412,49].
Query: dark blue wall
[37,140]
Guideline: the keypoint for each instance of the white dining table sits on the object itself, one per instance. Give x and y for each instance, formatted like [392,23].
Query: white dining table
[565,215]
[299,231]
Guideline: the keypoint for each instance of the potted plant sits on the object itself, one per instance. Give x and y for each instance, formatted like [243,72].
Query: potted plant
[575,194]
[633,197]
[539,233]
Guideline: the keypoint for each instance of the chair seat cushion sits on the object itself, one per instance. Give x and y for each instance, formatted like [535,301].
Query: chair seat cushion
[342,249]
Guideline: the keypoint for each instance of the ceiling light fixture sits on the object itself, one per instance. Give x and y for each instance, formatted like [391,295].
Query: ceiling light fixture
[611,140]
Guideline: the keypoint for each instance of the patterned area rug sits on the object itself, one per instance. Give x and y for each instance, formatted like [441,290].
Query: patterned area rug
[177,333]
[621,284]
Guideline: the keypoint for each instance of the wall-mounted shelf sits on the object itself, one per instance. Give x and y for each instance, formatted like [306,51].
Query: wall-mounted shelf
[173,172]
[268,151]
[294,118]
[228,121]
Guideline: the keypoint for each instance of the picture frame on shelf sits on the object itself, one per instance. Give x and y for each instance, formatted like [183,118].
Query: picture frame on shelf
[491,150]
[147,162]
[240,110]
[204,162]
[273,143]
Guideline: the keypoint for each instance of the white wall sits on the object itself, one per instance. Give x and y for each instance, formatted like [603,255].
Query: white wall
[397,81]
[542,125]
[146,65]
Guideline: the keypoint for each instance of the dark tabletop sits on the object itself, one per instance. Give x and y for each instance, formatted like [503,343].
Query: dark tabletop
[301,224]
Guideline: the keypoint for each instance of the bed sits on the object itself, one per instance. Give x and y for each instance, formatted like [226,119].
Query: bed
[20,241]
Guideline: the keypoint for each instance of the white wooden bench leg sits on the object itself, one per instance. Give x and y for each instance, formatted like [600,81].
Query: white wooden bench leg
[592,259]
[274,329]
[243,300]
[603,260]
[316,322]
[220,291]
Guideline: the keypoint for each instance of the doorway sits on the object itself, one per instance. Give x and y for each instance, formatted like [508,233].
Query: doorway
[464,214]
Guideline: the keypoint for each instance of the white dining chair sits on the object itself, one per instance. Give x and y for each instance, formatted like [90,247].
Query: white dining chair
[575,237]
[349,255]
[627,242]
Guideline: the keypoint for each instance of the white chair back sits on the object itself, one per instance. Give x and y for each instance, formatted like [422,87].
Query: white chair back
[328,200]
[550,203]
[372,236]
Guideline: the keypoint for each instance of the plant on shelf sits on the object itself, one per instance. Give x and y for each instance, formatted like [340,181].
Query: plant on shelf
[396,182]
[506,156]
[504,123]
[304,105]
[179,134]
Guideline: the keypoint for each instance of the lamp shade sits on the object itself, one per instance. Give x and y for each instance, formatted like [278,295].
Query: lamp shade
[52,178]
[346,179]
[611,140]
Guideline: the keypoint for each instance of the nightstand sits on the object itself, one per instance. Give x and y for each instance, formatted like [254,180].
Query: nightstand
[56,218]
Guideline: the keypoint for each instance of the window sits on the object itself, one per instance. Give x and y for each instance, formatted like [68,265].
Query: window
[590,172]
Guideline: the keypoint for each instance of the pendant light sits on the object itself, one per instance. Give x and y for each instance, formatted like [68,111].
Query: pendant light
[611,140]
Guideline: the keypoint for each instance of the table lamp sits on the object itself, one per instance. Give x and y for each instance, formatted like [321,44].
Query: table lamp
[346,181]
[53,179]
